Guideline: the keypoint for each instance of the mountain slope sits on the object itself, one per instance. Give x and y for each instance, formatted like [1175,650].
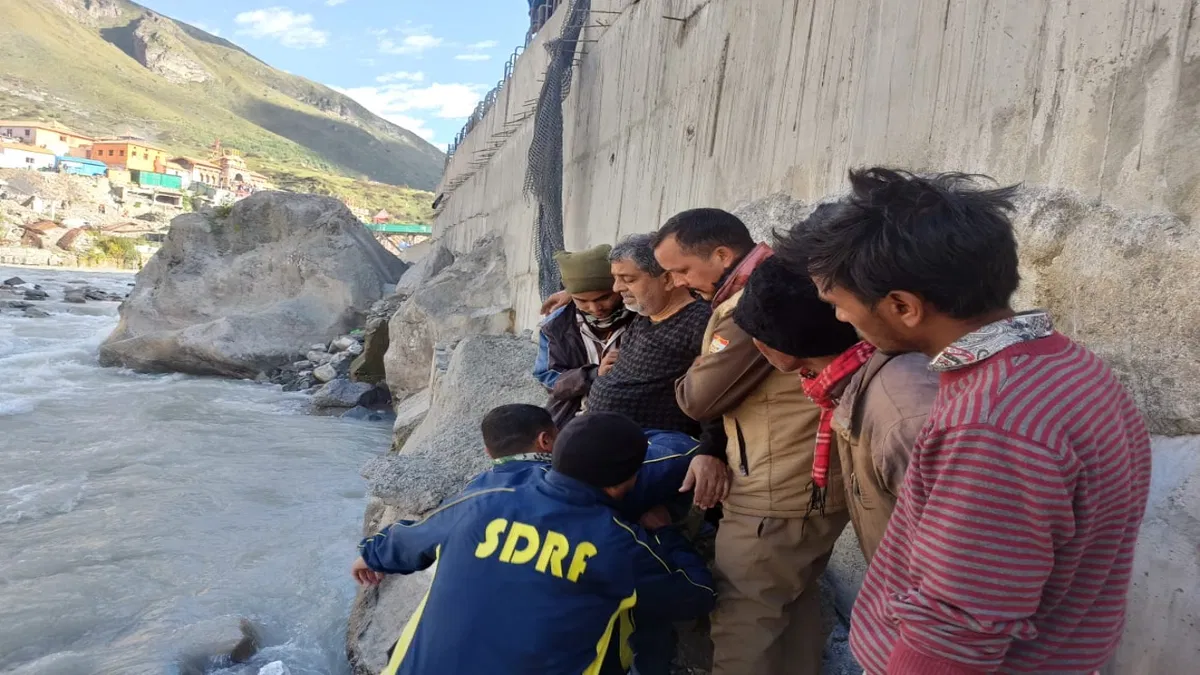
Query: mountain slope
[115,67]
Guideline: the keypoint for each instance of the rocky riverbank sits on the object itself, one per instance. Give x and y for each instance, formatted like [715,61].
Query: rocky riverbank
[291,290]
[20,297]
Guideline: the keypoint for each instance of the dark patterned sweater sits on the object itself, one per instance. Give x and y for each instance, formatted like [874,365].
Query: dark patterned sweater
[641,384]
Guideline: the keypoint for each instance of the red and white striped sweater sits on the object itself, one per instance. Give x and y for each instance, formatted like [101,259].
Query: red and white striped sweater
[1012,543]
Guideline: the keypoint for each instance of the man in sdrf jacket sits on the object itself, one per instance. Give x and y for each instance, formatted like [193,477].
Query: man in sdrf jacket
[541,578]
[783,512]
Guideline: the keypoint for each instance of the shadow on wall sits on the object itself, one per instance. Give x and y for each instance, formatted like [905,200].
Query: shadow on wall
[344,143]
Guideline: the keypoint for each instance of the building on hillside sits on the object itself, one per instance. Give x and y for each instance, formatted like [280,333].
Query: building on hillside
[382,217]
[236,176]
[198,170]
[153,179]
[129,153]
[50,135]
[174,168]
[24,156]
[81,167]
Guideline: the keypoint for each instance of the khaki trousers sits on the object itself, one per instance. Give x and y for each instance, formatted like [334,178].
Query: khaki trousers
[768,615]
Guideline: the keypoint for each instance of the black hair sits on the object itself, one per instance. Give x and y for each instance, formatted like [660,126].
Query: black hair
[513,429]
[701,231]
[942,237]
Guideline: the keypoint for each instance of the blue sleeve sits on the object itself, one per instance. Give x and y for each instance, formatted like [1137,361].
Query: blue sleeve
[671,579]
[409,546]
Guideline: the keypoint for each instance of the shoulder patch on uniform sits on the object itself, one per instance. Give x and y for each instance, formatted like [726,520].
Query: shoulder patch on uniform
[718,344]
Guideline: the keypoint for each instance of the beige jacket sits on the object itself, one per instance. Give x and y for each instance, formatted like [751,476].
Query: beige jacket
[771,424]
[877,421]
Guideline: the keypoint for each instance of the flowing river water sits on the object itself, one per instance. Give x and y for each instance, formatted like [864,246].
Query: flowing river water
[141,516]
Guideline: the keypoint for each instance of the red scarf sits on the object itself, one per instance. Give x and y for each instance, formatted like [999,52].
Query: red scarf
[736,280]
[820,388]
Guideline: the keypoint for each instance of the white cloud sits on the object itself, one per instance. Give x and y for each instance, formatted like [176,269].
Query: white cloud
[473,57]
[401,76]
[486,44]
[411,106]
[279,23]
[335,3]
[411,44]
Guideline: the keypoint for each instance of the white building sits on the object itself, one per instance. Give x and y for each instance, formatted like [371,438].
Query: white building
[21,156]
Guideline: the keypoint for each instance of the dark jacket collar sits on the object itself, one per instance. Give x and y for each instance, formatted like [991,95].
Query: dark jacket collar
[574,491]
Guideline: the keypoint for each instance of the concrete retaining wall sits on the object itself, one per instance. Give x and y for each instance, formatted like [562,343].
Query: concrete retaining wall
[762,106]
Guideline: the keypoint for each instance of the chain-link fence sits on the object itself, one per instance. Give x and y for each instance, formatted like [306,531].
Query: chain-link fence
[544,174]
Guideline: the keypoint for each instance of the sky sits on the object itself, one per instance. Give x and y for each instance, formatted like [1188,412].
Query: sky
[422,64]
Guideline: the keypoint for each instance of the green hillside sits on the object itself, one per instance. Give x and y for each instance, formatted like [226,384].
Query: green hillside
[114,67]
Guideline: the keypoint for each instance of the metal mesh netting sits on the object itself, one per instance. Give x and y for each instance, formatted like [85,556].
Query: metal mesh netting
[543,177]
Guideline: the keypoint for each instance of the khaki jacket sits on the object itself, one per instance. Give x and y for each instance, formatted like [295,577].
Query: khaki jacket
[876,422]
[771,424]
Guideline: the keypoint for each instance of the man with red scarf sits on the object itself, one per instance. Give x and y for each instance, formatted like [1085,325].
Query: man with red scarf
[873,403]
[780,522]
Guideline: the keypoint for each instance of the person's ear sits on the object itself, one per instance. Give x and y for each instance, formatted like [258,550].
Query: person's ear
[724,255]
[545,442]
[904,308]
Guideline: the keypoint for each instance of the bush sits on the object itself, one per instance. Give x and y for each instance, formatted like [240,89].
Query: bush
[121,251]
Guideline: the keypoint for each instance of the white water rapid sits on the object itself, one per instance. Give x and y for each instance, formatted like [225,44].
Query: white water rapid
[141,516]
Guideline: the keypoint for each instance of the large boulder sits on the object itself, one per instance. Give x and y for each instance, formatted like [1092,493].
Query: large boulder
[1126,285]
[439,458]
[368,366]
[470,297]
[242,292]
[437,259]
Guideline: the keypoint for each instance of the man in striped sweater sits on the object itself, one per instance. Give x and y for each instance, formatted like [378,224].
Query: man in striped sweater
[1012,542]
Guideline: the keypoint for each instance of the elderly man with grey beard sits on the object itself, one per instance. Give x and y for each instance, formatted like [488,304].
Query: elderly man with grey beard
[638,381]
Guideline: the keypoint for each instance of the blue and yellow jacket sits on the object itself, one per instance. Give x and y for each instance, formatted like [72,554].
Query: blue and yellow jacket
[662,473]
[540,578]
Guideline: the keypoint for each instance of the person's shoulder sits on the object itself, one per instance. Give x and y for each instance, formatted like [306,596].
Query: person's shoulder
[563,314]
[906,379]
[697,311]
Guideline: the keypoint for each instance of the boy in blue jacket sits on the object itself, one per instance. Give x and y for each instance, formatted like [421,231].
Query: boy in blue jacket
[519,439]
[542,577]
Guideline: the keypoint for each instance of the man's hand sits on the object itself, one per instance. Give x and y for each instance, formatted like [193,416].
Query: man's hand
[710,478]
[365,576]
[656,518]
[559,299]
[606,363]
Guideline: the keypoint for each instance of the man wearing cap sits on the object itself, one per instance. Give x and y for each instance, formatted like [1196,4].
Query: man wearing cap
[576,338]
[541,578]
[873,403]
[783,510]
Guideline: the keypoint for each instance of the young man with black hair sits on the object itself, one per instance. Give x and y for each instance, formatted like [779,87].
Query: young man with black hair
[781,519]
[1012,542]
[541,578]
[518,438]
[872,403]
[575,339]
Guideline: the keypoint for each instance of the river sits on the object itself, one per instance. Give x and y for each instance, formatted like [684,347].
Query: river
[141,516]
